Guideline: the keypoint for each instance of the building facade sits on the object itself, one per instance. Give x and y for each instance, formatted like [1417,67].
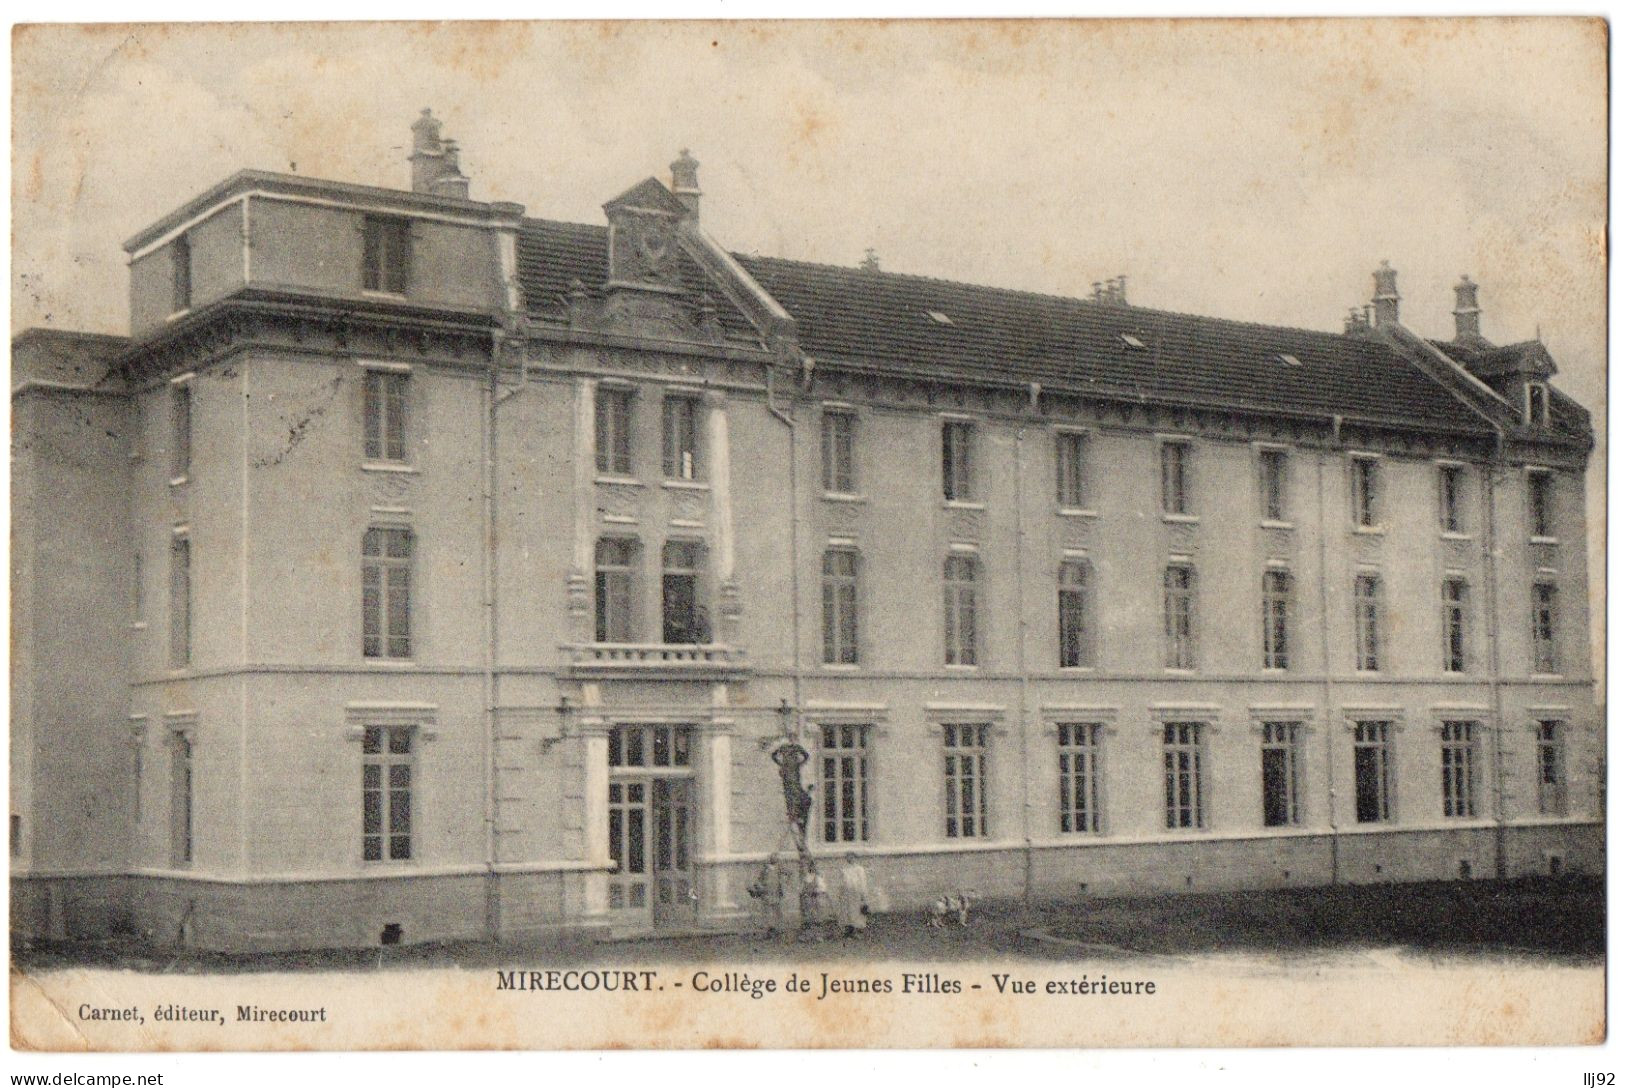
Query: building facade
[418,570]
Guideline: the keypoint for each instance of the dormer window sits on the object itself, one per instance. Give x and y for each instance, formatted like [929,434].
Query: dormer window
[1129,340]
[938,317]
[384,263]
[1537,410]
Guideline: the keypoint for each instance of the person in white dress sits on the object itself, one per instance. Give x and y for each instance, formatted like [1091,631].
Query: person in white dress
[852,897]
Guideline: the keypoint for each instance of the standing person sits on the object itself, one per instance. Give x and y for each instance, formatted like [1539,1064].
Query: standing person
[852,900]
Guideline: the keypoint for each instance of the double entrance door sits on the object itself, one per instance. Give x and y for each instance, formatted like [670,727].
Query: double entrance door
[651,825]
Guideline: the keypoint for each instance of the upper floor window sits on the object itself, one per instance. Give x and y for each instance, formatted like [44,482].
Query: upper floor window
[386,593]
[1458,754]
[1179,616]
[1365,491]
[612,589]
[958,460]
[180,600]
[680,447]
[1272,484]
[1450,499]
[1367,622]
[1176,470]
[1277,613]
[612,412]
[386,793]
[1071,470]
[384,415]
[180,255]
[1282,772]
[1077,642]
[839,440]
[683,620]
[840,593]
[1537,405]
[959,609]
[387,243]
[1454,624]
[180,430]
[1545,628]
[1551,784]
[965,780]
[1540,505]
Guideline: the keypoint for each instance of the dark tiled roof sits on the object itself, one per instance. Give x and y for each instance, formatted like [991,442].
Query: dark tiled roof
[881,321]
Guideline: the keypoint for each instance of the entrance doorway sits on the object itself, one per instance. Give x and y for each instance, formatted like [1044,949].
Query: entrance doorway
[651,825]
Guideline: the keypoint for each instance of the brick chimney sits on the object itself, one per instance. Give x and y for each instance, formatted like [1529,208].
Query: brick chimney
[434,161]
[1386,299]
[1467,312]
[685,182]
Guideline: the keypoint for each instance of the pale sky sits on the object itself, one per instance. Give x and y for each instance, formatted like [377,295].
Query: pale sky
[1251,170]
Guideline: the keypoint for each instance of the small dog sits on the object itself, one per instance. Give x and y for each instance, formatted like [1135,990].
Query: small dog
[948,906]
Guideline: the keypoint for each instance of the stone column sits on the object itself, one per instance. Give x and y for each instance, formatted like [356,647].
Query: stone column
[716,800]
[586,470]
[722,518]
[594,731]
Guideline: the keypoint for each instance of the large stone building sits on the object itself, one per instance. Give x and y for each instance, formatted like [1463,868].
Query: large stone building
[417,570]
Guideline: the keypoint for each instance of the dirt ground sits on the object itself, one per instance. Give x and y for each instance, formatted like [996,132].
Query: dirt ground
[1546,919]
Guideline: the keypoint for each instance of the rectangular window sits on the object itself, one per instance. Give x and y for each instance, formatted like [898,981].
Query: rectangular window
[680,448]
[180,601]
[613,590]
[386,593]
[840,607]
[965,778]
[843,783]
[633,746]
[958,460]
[959,609]
[612,410]
[1457,754]
[1281,773]
[839,438]
[1071,470]
[138,589]
[1454,624]
[1540,505]
[180,430]
[1367,623]
[1545,628]
[1080,775]
[1551,782]
[1077,635]
[180,800]
[384,415]
[384,263]
[1373,772]
[1272,485]
[180,254]
[1363,480]
[1182,775]
[1179,617]
[1176,481]
[683,620]
[1277,613]
[1450,499]
[386,793]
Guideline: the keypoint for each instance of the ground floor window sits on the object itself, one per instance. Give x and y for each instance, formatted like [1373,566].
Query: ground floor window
[180,793]
[843,783]
[1457,756]
[1551,785]
[964,763]
[1373,772]
[1080,775]
[386,793]
[1182,772]
[1282,766]
[651,821]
